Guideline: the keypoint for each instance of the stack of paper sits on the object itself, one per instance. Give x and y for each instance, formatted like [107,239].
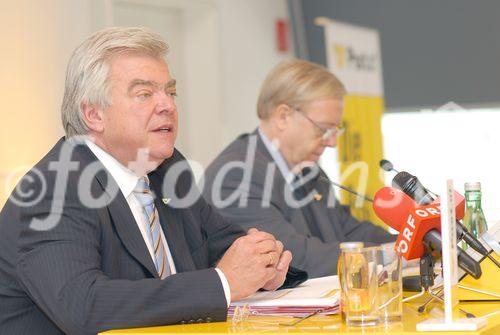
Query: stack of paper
[319,294]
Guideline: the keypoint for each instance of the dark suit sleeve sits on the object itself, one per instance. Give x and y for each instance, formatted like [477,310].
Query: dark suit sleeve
[219,233]
[309,252]
[60,269]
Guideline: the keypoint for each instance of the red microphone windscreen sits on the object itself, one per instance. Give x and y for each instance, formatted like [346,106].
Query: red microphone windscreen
[459,201]
[392,206]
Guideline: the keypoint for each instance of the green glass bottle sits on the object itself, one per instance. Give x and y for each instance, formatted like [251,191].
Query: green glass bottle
[474,219]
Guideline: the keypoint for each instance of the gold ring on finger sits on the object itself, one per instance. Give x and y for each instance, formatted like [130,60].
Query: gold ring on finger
[271,259]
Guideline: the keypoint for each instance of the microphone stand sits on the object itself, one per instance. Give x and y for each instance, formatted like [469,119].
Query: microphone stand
[427,279]
[427,271]
[427,276]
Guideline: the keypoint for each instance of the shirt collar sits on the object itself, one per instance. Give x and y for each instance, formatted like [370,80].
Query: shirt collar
[124,177]
[277,157]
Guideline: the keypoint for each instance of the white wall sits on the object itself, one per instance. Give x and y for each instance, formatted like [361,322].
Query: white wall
[448,144]
[249,51]
[220,54]
[39,36]
[36,41]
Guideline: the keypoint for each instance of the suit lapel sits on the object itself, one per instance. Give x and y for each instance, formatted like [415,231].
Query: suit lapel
[122,216]
[130,234]
[280,186]
[326,225]
[305,218]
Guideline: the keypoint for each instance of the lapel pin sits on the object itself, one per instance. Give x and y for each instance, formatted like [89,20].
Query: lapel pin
[317,197]
[165,200]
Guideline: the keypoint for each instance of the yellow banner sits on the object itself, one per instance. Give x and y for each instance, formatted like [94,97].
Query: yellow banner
[360,151]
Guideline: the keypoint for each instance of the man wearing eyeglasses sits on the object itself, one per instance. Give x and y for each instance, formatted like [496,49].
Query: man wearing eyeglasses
[270,179]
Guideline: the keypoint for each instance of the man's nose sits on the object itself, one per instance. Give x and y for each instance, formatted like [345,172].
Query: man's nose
[330,141]
[165,103]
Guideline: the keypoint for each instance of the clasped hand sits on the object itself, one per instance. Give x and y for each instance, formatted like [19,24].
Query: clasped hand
[254,261]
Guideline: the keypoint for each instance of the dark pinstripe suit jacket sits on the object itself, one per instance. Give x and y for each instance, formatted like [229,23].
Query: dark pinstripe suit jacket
[92,271]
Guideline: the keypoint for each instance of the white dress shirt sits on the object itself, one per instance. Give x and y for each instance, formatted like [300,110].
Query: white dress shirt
[277,157]
[127,180]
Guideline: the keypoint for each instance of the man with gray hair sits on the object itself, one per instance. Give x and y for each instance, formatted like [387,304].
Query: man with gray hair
[270,179]
[107,230]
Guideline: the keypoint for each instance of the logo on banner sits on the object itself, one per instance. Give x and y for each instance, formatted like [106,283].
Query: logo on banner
[349,57]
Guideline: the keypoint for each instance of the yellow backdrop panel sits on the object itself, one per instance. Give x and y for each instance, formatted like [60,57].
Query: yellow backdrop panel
[360,151]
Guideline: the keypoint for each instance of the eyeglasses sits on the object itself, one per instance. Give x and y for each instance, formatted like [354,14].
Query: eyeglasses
[327,132]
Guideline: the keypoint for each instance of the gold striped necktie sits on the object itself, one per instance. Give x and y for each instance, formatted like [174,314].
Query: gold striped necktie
[145,197]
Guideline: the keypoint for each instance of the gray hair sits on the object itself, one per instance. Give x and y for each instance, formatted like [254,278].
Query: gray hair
[88,70]
[296,83]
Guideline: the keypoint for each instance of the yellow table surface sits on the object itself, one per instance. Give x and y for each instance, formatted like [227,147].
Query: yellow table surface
[326,324]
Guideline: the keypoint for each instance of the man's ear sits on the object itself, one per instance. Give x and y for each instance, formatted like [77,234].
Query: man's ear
[93,117]
[282,115]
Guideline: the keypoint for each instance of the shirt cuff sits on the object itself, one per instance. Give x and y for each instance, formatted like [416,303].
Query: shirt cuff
[225,285]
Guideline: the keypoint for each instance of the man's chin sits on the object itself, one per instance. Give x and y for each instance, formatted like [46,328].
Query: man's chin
[161,152]
[312,160]
[148,161]
[163,155]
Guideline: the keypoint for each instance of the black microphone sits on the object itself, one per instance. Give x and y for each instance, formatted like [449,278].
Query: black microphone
[410,185]
[387,165]
[345,188]
[465,261]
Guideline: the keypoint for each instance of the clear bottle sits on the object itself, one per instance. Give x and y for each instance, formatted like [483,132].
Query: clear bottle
[474,219]
[340,266]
